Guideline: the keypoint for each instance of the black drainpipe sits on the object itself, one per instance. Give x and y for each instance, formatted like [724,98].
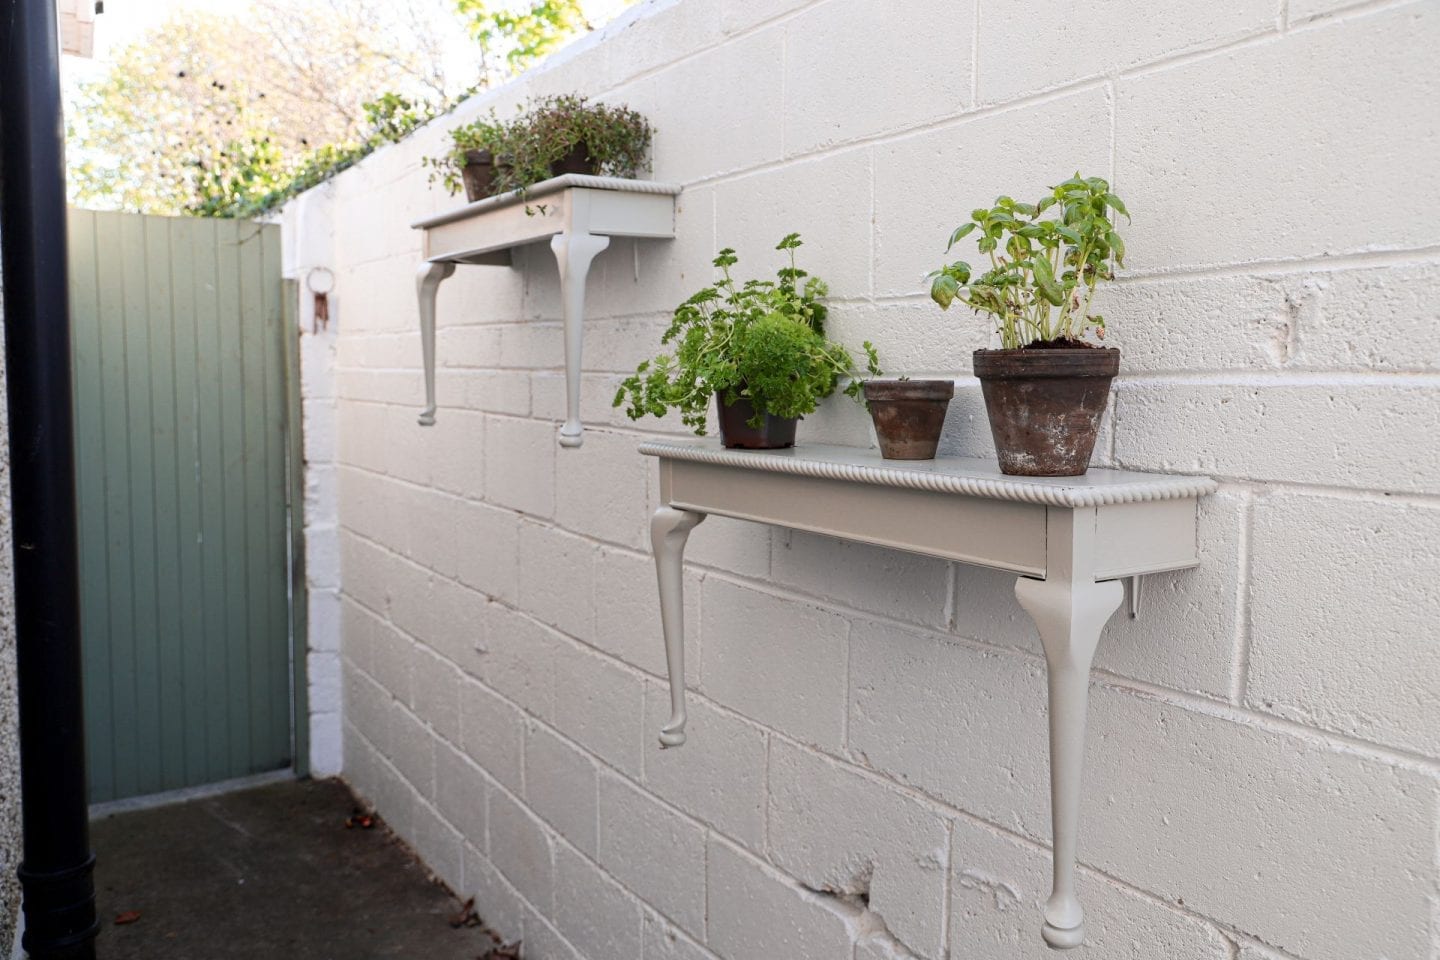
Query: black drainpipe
[55,875]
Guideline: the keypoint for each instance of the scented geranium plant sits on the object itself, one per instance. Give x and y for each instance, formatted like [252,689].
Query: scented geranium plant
[761,340]
[1044,266]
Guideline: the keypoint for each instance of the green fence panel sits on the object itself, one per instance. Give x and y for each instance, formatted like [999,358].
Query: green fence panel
[182,403]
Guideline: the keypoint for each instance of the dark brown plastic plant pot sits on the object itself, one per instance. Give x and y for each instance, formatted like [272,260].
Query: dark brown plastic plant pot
[1045,405]
[576,161]
[775,433]
[478,174]
[908,415]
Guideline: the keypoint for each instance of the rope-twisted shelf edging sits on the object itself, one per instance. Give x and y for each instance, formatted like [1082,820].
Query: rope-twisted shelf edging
[544,189]
[1158,487]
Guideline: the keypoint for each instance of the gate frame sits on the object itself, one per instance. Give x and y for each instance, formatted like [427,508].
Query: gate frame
[295,518]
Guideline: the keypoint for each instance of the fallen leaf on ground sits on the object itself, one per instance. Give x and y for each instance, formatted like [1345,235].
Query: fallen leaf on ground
[467,916]
[509,951]
[360,819]
[129,916]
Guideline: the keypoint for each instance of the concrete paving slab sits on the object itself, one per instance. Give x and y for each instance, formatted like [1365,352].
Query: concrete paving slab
[268,872]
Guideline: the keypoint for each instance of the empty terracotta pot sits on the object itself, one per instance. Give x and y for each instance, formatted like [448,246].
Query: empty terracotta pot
[908,415]
[1045,405]
[774,433]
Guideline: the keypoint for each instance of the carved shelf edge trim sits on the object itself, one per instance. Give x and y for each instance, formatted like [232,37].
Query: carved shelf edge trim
[1153,487]
[543,189]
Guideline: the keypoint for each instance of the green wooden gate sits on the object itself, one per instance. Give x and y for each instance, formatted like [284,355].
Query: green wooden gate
[181,392]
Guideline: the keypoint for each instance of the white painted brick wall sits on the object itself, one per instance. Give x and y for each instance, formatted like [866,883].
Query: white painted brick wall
[866,775]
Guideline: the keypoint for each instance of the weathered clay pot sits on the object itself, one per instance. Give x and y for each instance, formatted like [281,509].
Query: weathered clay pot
[735,431]
[1045,406]
[478,174]
[908,415]
[576,161]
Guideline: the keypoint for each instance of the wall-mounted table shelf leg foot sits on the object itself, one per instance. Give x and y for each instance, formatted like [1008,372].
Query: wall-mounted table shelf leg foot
[427,282]
[669,529]
[574,253]
[1069,609]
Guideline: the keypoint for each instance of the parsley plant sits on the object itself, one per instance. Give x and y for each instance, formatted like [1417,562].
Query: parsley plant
[763,340]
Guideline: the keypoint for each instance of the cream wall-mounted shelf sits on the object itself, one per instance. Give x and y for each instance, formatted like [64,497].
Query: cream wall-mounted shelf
[578,215]
[1071,540]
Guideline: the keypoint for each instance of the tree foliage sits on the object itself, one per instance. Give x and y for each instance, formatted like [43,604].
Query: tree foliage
[514,36]
[240,100]
[226,115]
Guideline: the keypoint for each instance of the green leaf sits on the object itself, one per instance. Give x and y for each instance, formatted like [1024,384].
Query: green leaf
[960,233]
[960,270]
[1045,282]
[944,290]
[1119,206]
[1117,245]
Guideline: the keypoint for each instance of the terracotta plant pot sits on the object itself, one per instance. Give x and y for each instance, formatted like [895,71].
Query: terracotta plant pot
[775,433]
[478,174]
[576,161]
[908,415]
[1045,405]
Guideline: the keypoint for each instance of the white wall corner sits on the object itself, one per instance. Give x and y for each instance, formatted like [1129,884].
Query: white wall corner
[308,232]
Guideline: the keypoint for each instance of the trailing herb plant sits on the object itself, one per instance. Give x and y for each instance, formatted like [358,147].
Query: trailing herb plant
[616,140]
[487,135]
[763,341]
[1043,270]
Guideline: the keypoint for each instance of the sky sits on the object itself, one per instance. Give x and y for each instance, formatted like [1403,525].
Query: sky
[125,20]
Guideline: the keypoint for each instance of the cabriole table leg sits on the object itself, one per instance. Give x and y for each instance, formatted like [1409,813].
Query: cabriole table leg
[573,254]
[1069,615]
[427,282]
[669,529]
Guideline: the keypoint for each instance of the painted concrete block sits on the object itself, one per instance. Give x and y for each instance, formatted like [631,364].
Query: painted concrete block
[836,830]
[754,912]
[999,885]
[653,851]
[779,662]
[1022,53]
[1369,669]
[827,106]
[592,909]
[1376,436]
[550,556]
[1328,160]
[491,734]
[927,183]
[521,850]
[599,706]
[718,777]
[560,786]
